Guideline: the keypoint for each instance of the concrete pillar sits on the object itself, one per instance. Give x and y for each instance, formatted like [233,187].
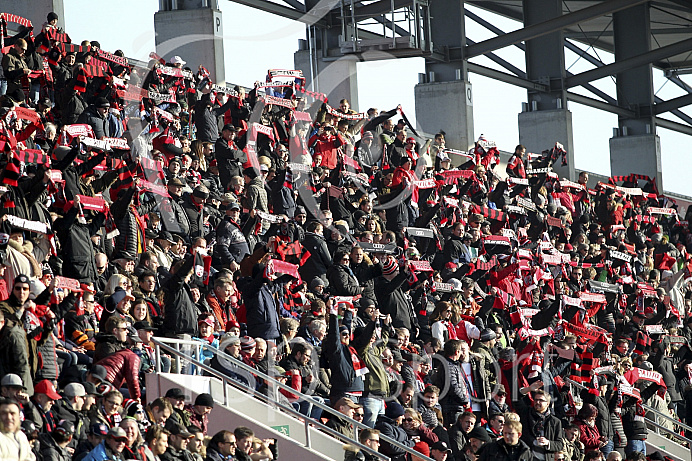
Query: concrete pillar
[446,106]
[540,130]
[338,78]
[196,35]
[640,154]
[35,11]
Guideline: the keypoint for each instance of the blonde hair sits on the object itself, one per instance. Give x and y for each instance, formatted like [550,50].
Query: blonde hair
[113,283]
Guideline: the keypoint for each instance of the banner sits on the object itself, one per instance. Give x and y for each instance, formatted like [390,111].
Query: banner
[635,374]
[282,267]
[526,203]
[518,181]
[460,153]
[33,226]
[420,232]
[665,211]
[620,255]
[443,287]
[268,217]
[538,171]
[299,167]
[420,266]
[389,248]
[68,283]
[605,287]
[451,176]
[92,203]
[592,297]
[425,183]
[157,189]
[28,114]
[278,102]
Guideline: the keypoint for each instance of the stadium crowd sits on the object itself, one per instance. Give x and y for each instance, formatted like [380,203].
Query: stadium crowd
[470,312]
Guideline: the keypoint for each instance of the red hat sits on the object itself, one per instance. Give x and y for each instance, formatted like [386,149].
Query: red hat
[232,324]
[47,388]
[389,267]
[422,448]
[208,320]
[213,163]
[411,139]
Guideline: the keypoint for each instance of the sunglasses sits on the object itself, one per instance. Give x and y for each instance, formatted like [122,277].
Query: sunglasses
[358,415]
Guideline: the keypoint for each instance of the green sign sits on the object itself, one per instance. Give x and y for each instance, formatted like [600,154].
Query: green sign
[282,429]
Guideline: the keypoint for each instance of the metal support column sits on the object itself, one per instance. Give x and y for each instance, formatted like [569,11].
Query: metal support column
[635,88]
[637,149]
[547,120]
[545,56]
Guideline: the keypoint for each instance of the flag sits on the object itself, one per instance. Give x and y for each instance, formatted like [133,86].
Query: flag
[12,171]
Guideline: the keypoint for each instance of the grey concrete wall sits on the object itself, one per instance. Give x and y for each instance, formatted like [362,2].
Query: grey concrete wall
[637,154]
[446,106]
[338,79]
[540,130]
[35,11]
[194,35]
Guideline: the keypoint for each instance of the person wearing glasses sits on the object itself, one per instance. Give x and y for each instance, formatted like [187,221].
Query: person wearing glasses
[542,430]
[368,437]
[222,446]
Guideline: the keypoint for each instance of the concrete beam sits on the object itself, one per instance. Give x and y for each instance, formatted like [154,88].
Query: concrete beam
[550,26]
[625,64]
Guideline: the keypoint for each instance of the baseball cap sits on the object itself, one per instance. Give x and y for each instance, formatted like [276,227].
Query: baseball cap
[143,325]
[74,390]
[440,446]
[346,401]
[12,380]
[64,427]
[99,372]
[179,429]
[46,387]
[175,393]
[117,433]
[98,429]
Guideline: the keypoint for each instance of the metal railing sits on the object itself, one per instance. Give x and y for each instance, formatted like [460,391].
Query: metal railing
[161,343]
[654,422]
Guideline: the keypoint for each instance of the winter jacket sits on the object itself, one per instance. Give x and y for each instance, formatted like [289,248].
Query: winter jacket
[131,238]
[77,249]
[14,353]
[393,301]
[256,196]
[102,453]
[261,306]
[73,106]
[366,275]
[123,367]
[230,369]
[99,124]
[376,381]
[455,399]
[603,423]
[51,451]
[342,281]
[341,426]
[10,442]
[328,146]
[229,159]
[204,118]
[500,451]
[231,245]
[106,344]
[195,214]
[388,428]
[343,376]
[180,310]
[588,435]
[319,260]
[13,67]
[541,425]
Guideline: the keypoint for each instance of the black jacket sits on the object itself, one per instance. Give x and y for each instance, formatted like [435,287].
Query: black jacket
[204,119]
[51,451]
[231,245]
[500,451]
[99,124]
[173,216]
[180,310]
[448,374]
[388,428]
[343,376]
[131,238]
[393,301]
[230,161]
[319,260]
[195,214]
[79,260]
[342,281]
[546,425]
[366,275]
[14,353]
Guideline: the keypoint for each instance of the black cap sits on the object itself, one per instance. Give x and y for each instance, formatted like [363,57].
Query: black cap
[250,173]
[165,235]
[64,427]
[143,325]
[178,429]
[99,372]
[205,400]
[51,16]
[480,433]
[397,356]
[175,393]
[102,103]
[441,446]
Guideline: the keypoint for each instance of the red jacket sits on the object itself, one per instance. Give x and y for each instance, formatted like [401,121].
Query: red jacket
[588,435]
[328,146]
[123,367]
